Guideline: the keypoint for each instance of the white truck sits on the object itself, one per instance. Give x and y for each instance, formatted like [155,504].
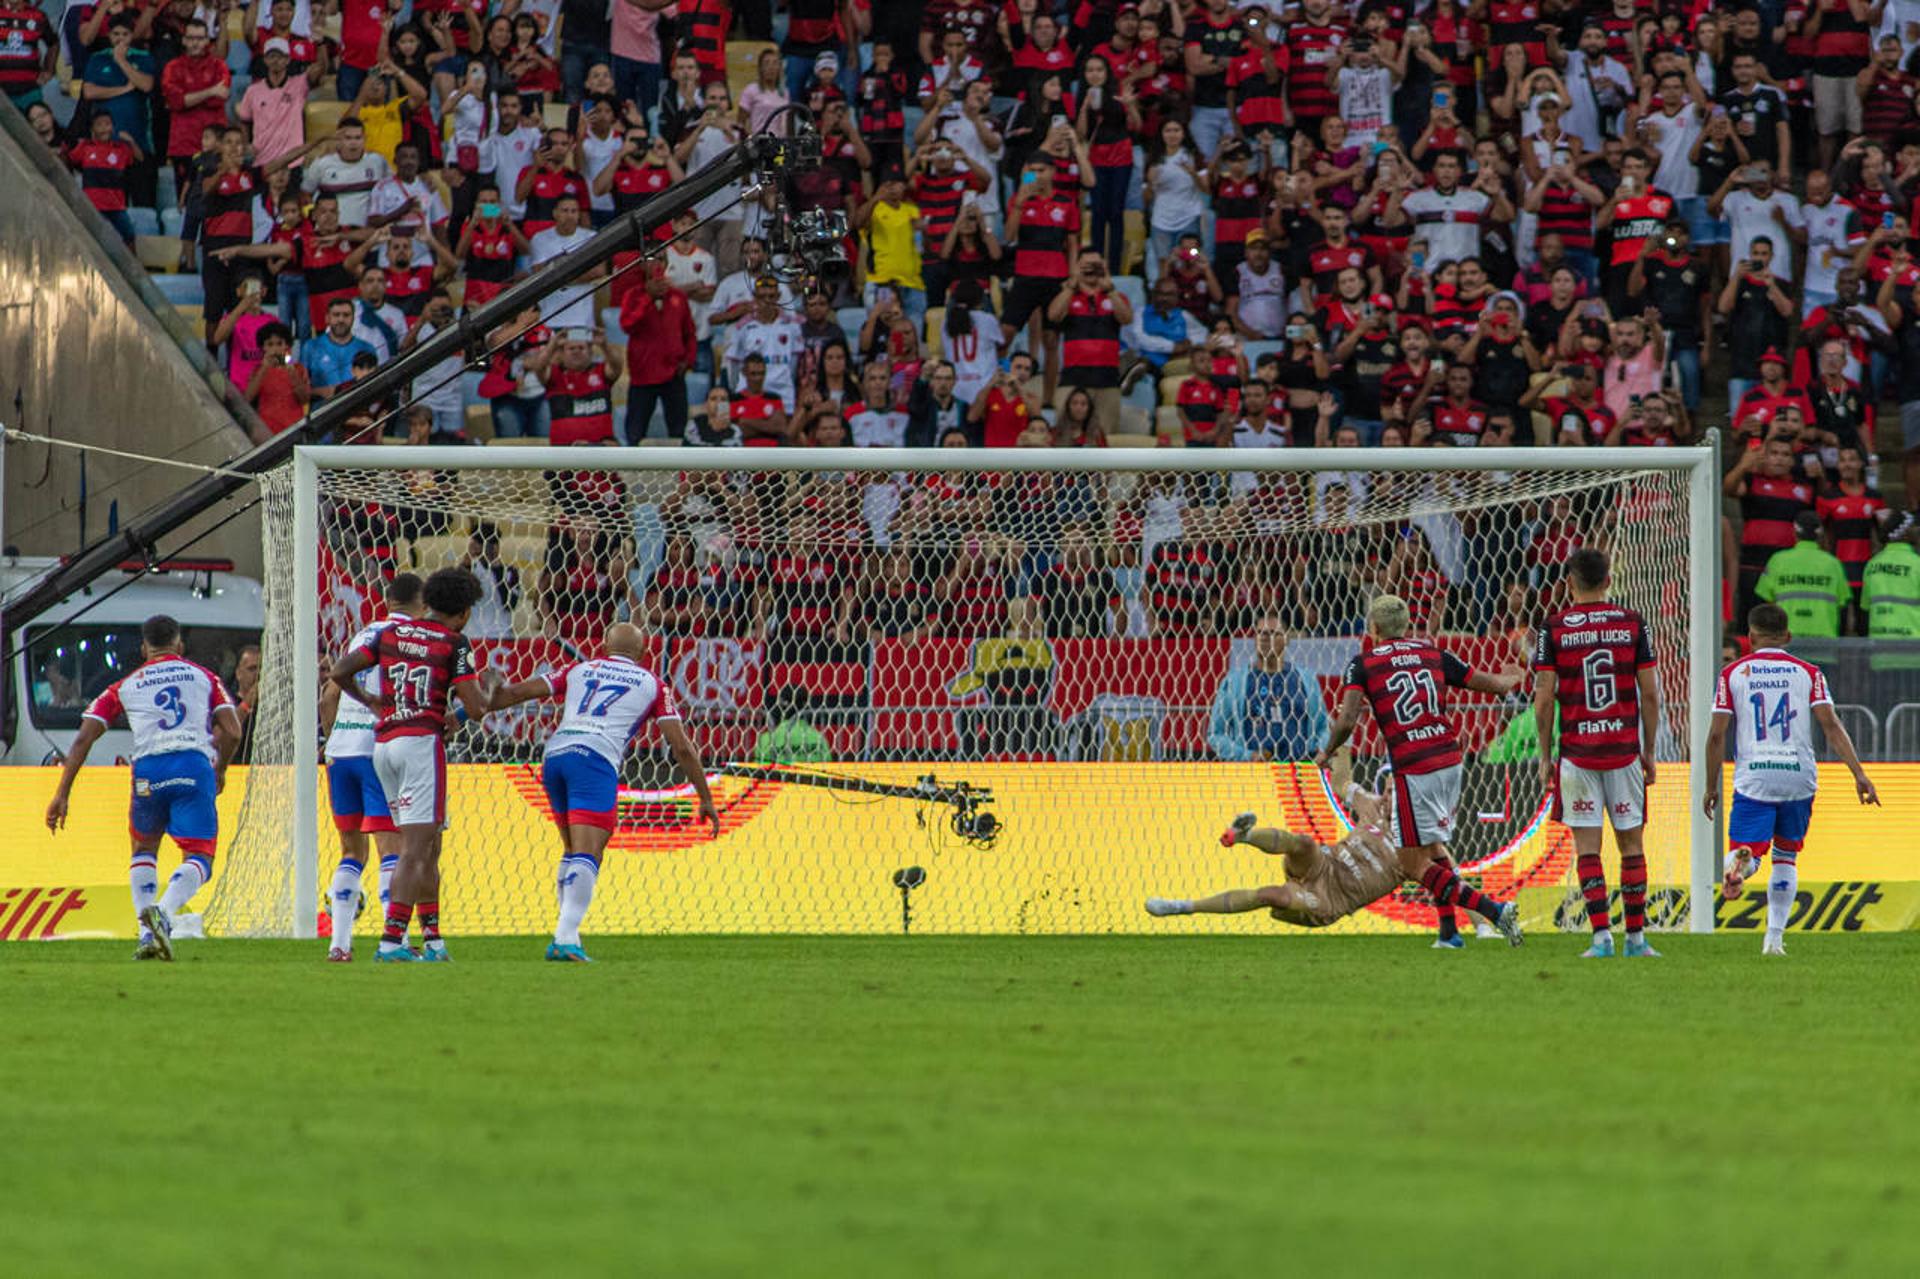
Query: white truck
[68,654]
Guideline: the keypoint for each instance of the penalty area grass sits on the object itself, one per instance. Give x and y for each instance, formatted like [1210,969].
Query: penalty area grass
[995,1106]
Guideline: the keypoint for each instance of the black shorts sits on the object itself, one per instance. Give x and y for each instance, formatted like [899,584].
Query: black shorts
[1025,297]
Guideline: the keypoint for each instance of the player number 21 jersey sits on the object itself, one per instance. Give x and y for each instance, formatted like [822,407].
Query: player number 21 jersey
[1405,682]
[1771,695]
[169,705]
[608,700]
[1597,652]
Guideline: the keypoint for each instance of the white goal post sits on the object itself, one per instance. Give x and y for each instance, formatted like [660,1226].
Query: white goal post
[1485,521]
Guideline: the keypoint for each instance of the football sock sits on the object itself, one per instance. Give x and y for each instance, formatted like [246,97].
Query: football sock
[144,876]
[196,870]
[1449,922]
[1781,886]
[1448,889]
[343,899]
[387,864]
[1633,891]
[429,916]
[399,915]
[1231,902]
[1593,886]
[578,874]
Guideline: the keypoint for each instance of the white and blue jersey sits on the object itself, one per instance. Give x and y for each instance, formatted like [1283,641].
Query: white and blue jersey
[608,701]
[169,704]
[1769,695]
[353,788]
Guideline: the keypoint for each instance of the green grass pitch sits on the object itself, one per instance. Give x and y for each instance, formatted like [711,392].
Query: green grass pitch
[946,1106]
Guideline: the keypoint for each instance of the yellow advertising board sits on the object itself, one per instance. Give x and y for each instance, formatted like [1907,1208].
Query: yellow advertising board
[1076,849]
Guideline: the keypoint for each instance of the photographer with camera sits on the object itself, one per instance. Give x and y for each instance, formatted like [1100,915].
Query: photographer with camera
[1669,279]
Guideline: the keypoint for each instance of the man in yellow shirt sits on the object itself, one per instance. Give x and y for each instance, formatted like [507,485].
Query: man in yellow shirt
[386,99]
[892,225]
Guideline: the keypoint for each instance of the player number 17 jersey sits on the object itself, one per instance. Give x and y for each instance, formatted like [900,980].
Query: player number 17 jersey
[608,700]
[1770,696]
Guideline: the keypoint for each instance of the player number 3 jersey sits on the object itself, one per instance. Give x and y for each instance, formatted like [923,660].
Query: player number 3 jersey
[1597,652]
[1771,695]
[608,701]
[169,705]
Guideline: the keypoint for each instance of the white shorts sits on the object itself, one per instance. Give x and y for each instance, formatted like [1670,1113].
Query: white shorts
[1589,797]
[413,773]
[1423,805]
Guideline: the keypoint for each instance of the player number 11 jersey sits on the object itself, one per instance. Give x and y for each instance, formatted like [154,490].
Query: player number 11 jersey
[1770,695]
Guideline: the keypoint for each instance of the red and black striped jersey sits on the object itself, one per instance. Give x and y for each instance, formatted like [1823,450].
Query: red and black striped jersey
[1595,651]
[25,34]
[1310,51]
[544,192]
[1460,424]
[1327,261]
[419,663]
[489,262]
[1769,508]
[1090,340]
[581,401]
[813,26]
[1258,85]
[1888,106]
[1851,519]
[883,98]
[1517,22]
[1565,211]
[1200,403]
[1405,683]
[1236,209]
[634,185]
[939,197]
[227,209]
[1636,219]
[1045,227]
[102,167]
[408,286]
[703,35]
[1185,584]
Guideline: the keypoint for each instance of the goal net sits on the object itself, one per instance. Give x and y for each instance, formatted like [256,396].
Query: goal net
[1012,691]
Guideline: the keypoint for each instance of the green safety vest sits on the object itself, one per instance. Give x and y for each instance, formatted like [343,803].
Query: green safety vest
[1890,592]
[1811,585]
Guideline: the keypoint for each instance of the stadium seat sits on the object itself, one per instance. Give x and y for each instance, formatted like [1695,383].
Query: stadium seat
[1133,236]
[698,384]
[479,423]
[743,63]
[936,317]
[1135,421]
[1131,440]
[1166,422]
[171,220]
[145,221]
[1142,396]
[179,289]
[1254,350]
[554,115]
[323,118]
[1170,388]
[661,442]
[851,318]
[195,318]
[157,253]
[166,192]
[1133,289]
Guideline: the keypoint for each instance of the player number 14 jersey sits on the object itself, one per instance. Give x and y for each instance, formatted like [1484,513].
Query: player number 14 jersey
[1770,695]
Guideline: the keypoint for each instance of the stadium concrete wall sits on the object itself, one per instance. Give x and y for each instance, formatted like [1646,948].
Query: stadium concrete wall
[90,352]
[1081,846]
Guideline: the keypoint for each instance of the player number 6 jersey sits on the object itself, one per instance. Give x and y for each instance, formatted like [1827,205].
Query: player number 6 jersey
[608,700]
[1771,695]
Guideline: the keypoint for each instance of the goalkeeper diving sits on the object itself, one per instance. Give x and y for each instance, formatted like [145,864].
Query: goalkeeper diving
[1327,882]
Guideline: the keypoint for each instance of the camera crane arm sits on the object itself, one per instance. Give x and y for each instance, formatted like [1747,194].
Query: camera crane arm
[971,819]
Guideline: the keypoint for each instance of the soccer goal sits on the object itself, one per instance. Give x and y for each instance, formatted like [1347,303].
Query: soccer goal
[969,690]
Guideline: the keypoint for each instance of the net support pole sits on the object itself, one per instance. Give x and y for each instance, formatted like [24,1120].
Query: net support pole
[305,588]
[1703,662]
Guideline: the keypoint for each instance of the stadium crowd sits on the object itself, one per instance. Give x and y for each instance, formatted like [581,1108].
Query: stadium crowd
[1554,223]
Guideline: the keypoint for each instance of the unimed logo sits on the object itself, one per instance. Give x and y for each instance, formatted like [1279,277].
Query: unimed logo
[34,914]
